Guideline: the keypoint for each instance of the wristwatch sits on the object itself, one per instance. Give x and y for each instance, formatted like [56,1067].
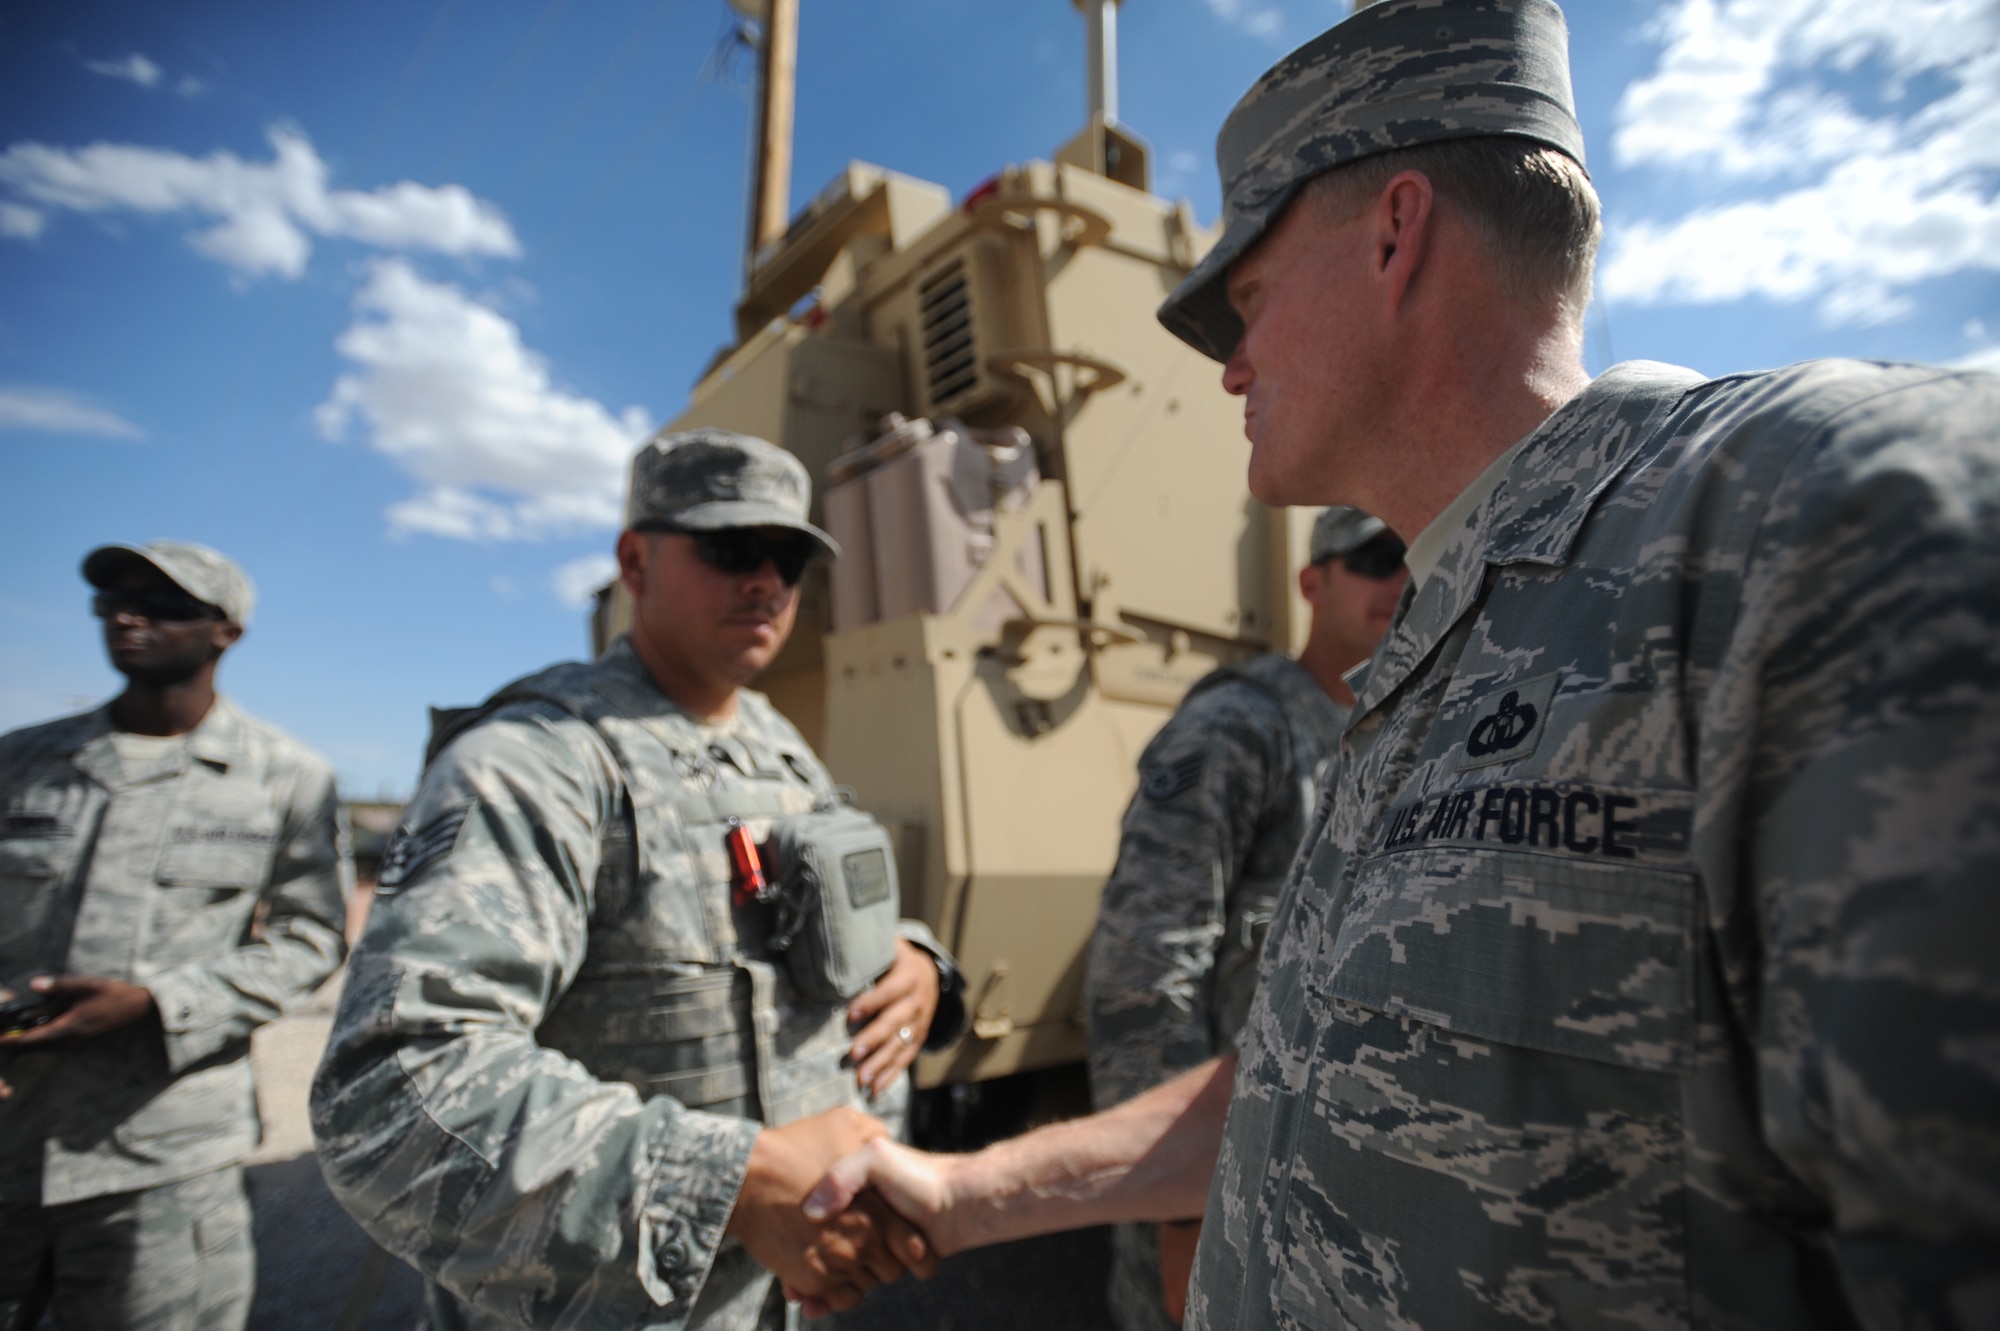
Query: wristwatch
[948,1022]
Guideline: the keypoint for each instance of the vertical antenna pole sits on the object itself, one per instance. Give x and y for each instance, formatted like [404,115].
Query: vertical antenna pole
[1101,20]
[770,200]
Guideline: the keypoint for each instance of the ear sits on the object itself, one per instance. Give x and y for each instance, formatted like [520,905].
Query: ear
[1312,581]
[223,635]
[1404,213]
[632,553]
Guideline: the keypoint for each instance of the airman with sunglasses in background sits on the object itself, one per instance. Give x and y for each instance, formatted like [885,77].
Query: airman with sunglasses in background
[1226,790]
[573,1080]
[172,876]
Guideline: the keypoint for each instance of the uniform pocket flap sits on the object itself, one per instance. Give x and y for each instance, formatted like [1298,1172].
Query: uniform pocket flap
[1529,950]
[33,845]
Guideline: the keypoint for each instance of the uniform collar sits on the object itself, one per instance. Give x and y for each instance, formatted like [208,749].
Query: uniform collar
[1428,548]
[216,740]
[622,678]
[1534,512]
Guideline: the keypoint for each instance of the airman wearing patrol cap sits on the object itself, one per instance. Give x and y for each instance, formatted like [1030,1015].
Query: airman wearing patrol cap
[1226,789]
[172,876]
[1629,970]
[579,1075]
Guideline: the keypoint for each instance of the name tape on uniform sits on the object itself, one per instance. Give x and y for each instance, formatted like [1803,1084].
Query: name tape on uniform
[1558,818]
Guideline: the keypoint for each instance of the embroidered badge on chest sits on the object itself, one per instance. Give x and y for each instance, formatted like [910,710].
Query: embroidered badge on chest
[1508,723]
[695,768]
[1169,780]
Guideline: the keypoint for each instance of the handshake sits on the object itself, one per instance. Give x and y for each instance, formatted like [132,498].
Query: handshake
[871,1213]
[833,1208]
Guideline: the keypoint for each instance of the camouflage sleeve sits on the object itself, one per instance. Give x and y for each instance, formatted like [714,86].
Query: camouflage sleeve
[502,1169]
[205,1007]
[1204,783]
[1869,725]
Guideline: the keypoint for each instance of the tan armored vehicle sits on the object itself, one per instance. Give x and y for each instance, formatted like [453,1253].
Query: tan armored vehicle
[1041,495]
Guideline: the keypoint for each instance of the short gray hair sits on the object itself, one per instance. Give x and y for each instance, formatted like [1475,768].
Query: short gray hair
[1532,206]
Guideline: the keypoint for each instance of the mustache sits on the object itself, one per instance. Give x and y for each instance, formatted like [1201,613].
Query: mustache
[761,607]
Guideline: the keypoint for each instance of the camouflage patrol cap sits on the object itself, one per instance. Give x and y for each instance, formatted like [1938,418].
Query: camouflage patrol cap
[1391,75]
[1340,529]
[205,574]
[708,480]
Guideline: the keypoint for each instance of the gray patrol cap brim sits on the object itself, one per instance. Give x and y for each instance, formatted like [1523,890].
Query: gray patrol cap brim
[723,516]
[713,480]
[207,575]
[1341,530]
[1392,75]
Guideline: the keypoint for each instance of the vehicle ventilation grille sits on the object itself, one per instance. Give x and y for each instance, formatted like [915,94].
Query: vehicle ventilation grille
[951,362]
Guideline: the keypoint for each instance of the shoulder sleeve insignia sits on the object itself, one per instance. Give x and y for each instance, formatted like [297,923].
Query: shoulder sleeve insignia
[414,850]
[1171,780]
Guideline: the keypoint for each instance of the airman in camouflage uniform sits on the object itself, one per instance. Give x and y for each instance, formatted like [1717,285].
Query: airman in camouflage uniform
[1638,969]
[1225,792]
[1630,976]
[1642,945]
[176,869]
[565,1024]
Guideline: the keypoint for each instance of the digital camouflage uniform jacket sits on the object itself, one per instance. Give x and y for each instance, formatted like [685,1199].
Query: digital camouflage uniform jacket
[559,1034]
[1225,793]
[158,877]
[1640,968]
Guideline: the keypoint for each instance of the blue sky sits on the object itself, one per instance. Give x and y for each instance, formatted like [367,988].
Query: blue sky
[377,297]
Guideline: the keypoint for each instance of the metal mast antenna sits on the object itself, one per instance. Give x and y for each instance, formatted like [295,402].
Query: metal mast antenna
[1101,23]
[770,197]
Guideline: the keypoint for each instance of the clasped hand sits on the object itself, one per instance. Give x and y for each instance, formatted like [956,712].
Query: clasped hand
[881,1178]
[831,1259]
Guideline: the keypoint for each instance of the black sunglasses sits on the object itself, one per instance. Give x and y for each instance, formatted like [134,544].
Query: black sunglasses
[161,605]
[741,550]
[1378,559]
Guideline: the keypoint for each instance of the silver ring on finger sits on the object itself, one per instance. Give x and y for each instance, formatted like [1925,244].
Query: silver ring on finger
[906,1035]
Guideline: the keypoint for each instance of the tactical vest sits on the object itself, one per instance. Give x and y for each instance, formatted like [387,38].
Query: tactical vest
[1312,731]
[678,994]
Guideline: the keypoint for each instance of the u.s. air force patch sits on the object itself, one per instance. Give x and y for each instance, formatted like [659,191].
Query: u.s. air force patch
[1165,781]
[414,849]
[1563,818]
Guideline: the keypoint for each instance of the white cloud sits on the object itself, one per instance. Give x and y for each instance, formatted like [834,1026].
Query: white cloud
[1262,21]
[134,68]
[577,581]
[1869,133]
[1177,172]
[39,410]
[18,223]
[266,212]
[1986,358]
[445,387]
